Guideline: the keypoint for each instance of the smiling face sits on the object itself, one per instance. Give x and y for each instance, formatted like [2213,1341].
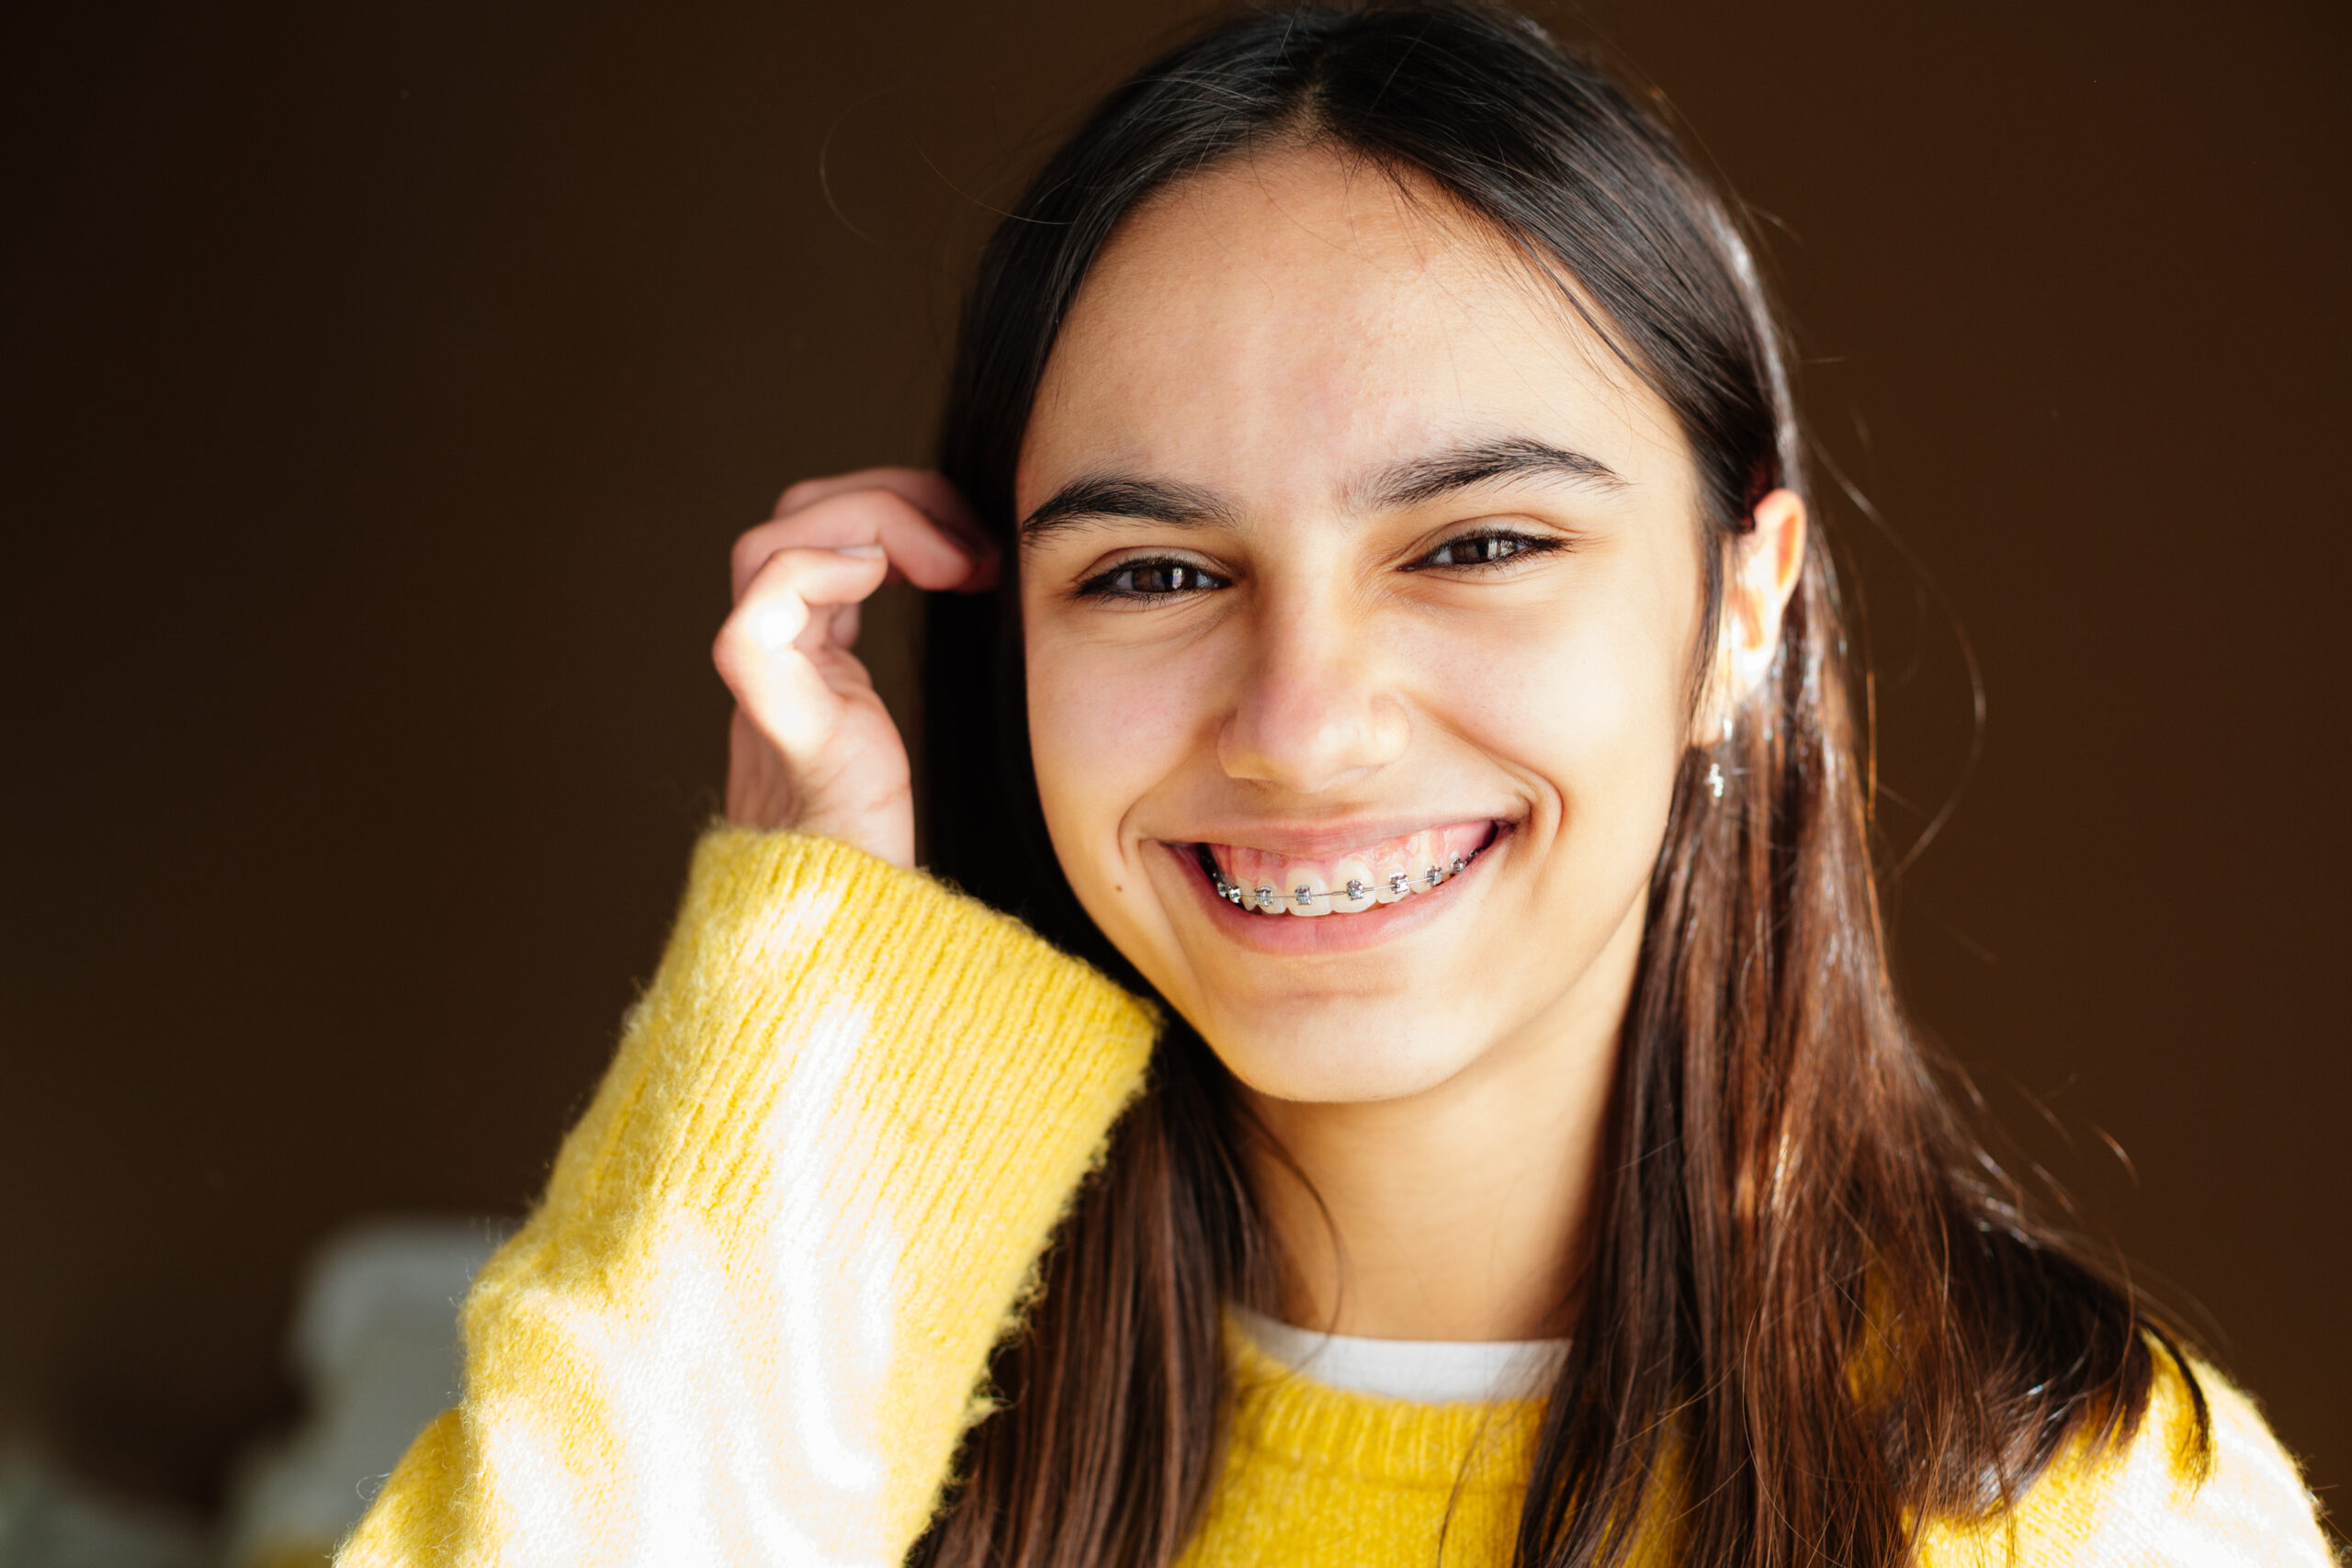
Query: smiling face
[1351,555]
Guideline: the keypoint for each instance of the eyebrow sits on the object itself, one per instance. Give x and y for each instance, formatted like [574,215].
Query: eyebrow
[1149,501]
[1409,483]
[1481,462]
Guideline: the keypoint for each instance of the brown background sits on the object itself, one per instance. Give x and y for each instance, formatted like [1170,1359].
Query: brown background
[381,390]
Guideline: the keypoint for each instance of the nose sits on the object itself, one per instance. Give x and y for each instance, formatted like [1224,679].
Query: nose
[1314,711]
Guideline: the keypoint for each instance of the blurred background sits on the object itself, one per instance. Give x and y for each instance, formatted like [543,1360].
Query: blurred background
[382,384]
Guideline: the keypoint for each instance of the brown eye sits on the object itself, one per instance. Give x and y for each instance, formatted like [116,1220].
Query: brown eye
[1479,549]
[1150,580]
[1158,577]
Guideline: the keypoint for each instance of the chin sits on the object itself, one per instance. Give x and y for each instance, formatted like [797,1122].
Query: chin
[1331,1051]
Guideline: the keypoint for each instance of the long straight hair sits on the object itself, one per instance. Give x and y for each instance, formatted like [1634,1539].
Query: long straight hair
[1812,1297]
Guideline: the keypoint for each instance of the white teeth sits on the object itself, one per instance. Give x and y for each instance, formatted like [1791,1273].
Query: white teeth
[1421,852]
[1352,884]
[1306,888]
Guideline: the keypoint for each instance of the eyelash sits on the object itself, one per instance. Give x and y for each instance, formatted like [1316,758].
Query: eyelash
[1106,585]
[1523,545]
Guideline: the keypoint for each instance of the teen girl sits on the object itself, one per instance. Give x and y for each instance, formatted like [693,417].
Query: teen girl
[1393,639]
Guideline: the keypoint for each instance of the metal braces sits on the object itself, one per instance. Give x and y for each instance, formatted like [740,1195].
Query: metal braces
[1266,898]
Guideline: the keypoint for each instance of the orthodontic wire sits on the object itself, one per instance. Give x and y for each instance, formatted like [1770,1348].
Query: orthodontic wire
[1266,896]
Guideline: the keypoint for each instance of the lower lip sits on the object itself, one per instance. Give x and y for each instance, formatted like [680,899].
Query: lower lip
[1298,935]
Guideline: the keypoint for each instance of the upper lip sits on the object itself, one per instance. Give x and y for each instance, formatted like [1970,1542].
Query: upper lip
[1321,840]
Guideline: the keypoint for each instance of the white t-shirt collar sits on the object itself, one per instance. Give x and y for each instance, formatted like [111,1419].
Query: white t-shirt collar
[1427,1372]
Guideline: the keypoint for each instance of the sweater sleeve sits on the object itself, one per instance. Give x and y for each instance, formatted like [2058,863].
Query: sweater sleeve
[747,1320]
[2151,1502]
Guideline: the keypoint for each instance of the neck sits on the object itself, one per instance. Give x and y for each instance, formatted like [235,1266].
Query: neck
[1459,1212]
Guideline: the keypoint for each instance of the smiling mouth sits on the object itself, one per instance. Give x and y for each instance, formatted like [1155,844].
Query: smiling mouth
[1349,883]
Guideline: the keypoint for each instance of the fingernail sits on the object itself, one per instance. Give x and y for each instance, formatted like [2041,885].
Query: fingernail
[863,552]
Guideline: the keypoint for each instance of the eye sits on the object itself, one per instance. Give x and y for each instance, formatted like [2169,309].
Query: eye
[1491,548]
[1151,577]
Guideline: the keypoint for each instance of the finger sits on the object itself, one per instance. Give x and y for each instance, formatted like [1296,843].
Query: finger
[763,650]
[920,487]
[912,544]
[777,689]
[925,490]
[800,587]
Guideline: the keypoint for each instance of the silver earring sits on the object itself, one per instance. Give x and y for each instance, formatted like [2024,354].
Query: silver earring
[1714,767]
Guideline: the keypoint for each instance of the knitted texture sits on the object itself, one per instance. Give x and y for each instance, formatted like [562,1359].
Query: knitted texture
[750,1318]
[1321,1477]
[1315,1475]
[746,1322]
[2152,1503]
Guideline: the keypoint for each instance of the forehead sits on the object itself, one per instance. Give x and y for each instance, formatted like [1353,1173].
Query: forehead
[1283,323]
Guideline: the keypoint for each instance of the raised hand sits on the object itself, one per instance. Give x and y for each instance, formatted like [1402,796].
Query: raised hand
[811,746]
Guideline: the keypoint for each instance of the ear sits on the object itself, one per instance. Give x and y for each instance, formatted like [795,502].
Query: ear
[1763,567]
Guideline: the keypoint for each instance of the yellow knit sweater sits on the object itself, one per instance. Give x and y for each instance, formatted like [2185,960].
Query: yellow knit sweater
[746,1324]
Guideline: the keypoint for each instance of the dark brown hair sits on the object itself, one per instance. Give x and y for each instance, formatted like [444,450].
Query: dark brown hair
[1808,1281]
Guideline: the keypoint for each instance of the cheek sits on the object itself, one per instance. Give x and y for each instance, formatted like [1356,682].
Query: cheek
[1584,700]
[1106,725]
